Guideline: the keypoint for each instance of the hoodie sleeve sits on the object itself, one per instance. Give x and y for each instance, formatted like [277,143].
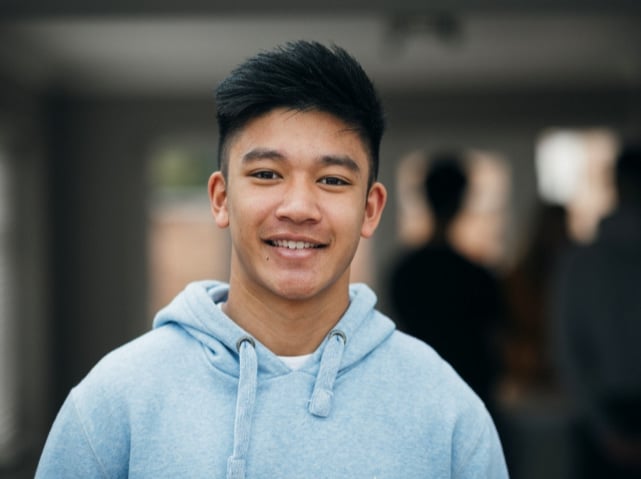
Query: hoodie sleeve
[479,454]
[72,451]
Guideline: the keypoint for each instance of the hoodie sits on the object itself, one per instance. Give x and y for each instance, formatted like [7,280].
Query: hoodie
[198,397]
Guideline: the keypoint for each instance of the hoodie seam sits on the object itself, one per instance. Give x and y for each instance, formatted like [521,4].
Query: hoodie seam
[85,433]
[470,451]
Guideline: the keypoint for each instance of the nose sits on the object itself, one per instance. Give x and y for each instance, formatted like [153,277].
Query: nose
[299,203]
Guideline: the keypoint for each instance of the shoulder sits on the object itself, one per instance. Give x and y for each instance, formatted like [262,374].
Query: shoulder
[95,421]
[476,269]
[435,398]
[408,349]
[404,262]
[132,366]
[417,366]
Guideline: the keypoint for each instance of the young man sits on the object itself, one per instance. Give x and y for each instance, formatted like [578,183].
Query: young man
[287,371]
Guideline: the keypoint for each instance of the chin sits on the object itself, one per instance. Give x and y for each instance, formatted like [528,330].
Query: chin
[296,294]
[301,287]
[297,290]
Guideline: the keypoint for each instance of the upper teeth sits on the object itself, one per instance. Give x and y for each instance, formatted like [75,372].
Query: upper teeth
[293,244]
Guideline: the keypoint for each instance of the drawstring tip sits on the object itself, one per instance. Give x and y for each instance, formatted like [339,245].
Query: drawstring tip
[235,468]
[320,404]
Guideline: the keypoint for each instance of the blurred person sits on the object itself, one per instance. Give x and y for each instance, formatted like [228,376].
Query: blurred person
[288,370]
[599,314]
[442,297]
[529,364]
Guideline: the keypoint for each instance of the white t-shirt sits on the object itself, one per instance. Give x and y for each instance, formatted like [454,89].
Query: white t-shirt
[295,362]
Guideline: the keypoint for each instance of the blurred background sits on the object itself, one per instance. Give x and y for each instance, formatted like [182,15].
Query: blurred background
[108,135]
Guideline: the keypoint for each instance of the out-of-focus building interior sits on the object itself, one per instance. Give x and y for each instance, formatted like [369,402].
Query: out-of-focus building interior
[108,135]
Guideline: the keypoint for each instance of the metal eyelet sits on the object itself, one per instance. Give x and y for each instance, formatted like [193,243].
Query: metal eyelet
[340,334]
[248,339]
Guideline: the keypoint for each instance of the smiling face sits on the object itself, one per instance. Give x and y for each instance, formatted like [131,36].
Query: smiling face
[296,201]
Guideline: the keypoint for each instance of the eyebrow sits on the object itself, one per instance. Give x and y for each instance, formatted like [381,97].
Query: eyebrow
[326,160]
[262,154]
[341,160]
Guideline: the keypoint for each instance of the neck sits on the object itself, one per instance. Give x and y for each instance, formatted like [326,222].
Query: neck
[286,327]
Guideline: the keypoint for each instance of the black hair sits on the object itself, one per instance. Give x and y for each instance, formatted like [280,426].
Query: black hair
[301,76]
[445,186]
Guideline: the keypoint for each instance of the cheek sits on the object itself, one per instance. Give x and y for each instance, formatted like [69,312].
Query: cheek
[352,222]
[248,212]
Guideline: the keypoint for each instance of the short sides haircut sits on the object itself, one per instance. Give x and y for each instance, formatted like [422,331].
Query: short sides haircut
[301,76]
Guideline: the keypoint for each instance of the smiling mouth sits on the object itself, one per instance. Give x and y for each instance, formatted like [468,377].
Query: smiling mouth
[294,244]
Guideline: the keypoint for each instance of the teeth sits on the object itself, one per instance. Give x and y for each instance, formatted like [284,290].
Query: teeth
[293,244]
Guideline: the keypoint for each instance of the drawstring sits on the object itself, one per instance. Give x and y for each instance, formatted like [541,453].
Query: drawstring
[244,407]
[320,403]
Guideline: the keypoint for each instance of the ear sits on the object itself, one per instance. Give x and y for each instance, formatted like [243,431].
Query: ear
[376,199]
[217,188]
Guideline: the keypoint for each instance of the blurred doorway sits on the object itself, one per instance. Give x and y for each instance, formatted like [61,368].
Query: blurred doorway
[184,243]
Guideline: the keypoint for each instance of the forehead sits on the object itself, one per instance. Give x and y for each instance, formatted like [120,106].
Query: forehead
[298,133]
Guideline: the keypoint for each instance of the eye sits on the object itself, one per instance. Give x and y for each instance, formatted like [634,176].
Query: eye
[333,181]
[265,175]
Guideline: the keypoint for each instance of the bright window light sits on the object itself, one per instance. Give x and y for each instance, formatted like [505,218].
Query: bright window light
[560,159]
[574,169]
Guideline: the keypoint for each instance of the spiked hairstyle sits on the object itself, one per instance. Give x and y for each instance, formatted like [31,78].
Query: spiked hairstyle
[301,76]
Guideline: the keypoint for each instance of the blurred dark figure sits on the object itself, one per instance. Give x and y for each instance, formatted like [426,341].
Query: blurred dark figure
[442,297]
[599,308]
[528,352]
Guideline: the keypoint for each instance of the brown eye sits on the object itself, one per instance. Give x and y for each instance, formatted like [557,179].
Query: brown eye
[333,181]
[265,175]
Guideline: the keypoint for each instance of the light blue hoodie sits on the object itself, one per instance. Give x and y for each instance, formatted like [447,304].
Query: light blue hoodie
[197,397]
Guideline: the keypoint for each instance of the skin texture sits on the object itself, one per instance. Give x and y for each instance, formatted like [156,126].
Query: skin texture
[297,177]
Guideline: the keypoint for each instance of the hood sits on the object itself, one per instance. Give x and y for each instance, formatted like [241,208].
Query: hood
[196,310]
[233,350]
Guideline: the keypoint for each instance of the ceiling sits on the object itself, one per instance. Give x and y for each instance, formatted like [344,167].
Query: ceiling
[125,48]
